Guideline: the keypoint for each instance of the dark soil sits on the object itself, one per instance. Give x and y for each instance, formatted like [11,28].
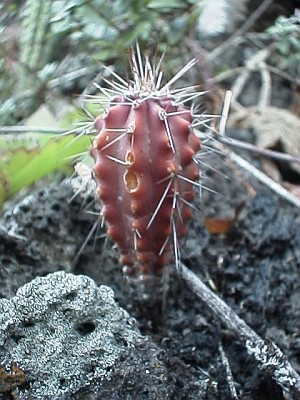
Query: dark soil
[254,268]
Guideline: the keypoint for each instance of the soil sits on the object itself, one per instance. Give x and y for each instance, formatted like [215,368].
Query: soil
[254,267]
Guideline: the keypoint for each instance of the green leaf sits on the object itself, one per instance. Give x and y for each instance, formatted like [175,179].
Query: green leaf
[140,31]
[284,47]
[295,42]
[21,166]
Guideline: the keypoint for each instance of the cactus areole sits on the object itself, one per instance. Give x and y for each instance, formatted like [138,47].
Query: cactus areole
[144,168]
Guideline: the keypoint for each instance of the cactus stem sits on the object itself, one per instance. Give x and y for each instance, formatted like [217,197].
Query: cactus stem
[144,166]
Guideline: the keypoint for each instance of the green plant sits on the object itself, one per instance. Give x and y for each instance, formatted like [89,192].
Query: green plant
[286,32]
[28,158]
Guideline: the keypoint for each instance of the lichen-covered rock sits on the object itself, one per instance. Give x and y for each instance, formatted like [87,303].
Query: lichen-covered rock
[64,333]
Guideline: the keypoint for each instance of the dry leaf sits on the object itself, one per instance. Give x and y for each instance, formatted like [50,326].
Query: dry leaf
[219,225]
[272,126]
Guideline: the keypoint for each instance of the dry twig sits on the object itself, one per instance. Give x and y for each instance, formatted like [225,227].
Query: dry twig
[276,155]
[229,376]
[262,177]
[255,63]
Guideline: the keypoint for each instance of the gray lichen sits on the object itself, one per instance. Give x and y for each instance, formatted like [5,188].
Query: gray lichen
[272,359]
[64,332]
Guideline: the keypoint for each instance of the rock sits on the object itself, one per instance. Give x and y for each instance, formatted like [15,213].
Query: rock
[37,220]
[65,334]
[41,234]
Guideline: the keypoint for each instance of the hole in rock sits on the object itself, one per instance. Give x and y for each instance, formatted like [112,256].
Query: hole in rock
[62,382]
[28,323]
[85,328]
[70,296]
[17,337]
[120,339]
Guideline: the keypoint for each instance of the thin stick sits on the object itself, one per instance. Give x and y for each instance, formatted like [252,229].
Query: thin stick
[262,177]
[267,354]
[6,130]
[266,87]
[276,155]
[254,63]
[229,377]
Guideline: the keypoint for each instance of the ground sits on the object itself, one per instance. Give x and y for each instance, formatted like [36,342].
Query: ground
[254,267]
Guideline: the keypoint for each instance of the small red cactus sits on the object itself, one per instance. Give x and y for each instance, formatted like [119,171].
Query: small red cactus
[144,168]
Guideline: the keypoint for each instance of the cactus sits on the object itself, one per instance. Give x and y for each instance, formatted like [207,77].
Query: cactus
[36,42]
[144,167]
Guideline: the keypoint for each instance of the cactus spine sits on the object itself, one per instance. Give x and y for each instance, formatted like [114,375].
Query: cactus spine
[144,168]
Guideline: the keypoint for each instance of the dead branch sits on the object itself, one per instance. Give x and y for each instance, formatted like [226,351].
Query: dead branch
[16,129]
[262,177]
[276,155]
[255,63]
